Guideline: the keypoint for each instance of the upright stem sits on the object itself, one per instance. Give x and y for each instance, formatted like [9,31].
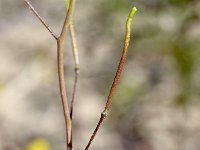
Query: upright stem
[60,45]
[63,91]
[116,78]
[77,65]
[67,19]
[76,71]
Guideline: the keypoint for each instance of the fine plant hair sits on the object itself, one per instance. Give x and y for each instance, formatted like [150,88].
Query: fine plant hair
[60,39]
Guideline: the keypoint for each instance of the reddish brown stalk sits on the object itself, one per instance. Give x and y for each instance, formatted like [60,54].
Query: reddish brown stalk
[96,130]
[116,78]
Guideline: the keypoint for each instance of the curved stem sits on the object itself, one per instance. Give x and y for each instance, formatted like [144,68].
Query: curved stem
[67,19]
[117,76]
[60,45]
[63,91]
[76,71]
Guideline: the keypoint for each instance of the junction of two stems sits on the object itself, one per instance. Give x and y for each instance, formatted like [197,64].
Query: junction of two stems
[60,44]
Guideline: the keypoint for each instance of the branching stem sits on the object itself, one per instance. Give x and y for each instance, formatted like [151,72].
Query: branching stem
[60,45]
[60,42]
[117,76]
[68,114]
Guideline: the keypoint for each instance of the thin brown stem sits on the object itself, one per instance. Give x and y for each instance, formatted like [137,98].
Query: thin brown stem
[67,19]
[63,91]
[60,46]
[74,46]
[72,104]
[76,71]
[103,115]
[116,78]
[77,65]
[60,43]
[40,18]
[74,94]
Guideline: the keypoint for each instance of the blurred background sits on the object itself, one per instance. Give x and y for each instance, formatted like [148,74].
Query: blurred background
[156,105]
